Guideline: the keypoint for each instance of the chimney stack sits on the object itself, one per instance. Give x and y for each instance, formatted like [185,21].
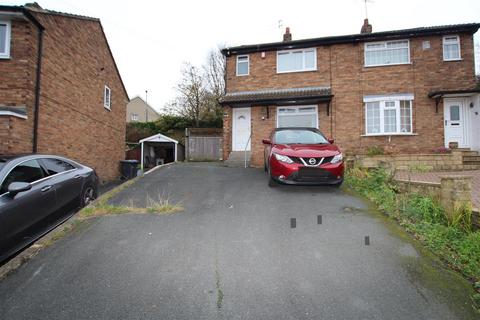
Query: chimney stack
[367,27]
[287,36]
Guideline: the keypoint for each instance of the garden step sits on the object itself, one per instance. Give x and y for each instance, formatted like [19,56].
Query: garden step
[469,153]
[471,166]
[471,158]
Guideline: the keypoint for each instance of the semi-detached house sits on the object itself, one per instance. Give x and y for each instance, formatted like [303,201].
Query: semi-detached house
[60,89]
[406,91]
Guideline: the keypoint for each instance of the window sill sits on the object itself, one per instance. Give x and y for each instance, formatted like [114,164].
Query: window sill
[387,65]
[13,114]
[388,134]
[450,60]
[297,71]
[5,57]
[242,75]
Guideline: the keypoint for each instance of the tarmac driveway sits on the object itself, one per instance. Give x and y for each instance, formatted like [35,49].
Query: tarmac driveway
[234,253]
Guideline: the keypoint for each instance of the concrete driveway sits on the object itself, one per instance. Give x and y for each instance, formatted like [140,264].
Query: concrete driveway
[233,254]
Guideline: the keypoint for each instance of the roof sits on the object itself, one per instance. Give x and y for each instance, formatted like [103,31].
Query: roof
[461,92]
[149,106]
[353,38]
[270,95]
[158,138]
[29,10]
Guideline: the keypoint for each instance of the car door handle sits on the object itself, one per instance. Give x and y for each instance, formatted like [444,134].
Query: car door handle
[77,176]
[46,188]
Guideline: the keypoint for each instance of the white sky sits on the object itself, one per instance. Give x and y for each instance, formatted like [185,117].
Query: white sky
[150,39]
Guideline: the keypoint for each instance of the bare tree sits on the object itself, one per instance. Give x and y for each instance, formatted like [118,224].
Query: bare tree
[192,94]
[214,71]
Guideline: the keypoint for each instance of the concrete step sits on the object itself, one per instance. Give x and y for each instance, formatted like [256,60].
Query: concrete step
[471,158]
[239,155]
[236,164]
[471,166]
[469,153]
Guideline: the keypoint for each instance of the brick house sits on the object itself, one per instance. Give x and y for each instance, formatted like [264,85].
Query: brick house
[60,89]
[406,91]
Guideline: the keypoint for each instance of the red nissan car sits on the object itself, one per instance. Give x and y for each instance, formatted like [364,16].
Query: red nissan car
[302,156]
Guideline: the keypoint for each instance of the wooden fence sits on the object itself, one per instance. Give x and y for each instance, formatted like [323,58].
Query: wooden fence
[204,148]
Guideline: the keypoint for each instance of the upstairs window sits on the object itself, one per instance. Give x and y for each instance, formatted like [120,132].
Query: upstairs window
[297,60]
[387,53]
[451,48]
[4,39]
[134,117]
[388,115]
[107,98]
[243,65]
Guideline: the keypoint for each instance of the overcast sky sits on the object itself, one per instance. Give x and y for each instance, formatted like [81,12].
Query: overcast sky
[151,39]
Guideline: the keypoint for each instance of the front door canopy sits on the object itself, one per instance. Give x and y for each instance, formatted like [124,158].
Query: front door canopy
[290,96]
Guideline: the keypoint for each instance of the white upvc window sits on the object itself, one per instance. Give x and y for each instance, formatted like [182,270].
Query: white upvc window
[134,117]
[451,48]
[297,116]
[388,115]
[387,53]
[5,38]
[297,60]
[107,98]
[243,65]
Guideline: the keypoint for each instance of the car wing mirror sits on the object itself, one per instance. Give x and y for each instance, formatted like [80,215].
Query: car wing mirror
[266,141]
[331,141]
[17,187]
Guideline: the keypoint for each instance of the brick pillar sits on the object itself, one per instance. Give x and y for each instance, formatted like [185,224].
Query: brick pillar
[456,191]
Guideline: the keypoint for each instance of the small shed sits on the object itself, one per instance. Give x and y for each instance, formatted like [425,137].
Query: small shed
[158,149]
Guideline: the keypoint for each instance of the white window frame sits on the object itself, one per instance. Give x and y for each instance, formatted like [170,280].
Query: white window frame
[459,48]
[382,49]
[297,113]
[382,100]
[134,116]
[304,69]
[107,103]
[248,65]
[6,54]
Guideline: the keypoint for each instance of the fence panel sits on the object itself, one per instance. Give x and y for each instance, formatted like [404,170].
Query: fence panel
[204,148]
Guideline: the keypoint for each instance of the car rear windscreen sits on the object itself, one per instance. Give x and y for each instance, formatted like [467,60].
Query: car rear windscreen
[295,136]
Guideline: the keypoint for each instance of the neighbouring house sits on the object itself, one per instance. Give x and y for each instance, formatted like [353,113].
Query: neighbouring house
[407,91]
[140,111]
[60,89]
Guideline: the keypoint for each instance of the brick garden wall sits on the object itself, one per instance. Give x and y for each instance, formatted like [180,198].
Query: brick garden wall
[341,68]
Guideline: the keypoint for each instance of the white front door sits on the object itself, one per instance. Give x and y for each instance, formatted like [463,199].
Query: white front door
[241,129]
[455,123]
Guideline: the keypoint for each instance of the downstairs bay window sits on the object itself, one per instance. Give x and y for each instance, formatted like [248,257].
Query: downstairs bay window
[388,115]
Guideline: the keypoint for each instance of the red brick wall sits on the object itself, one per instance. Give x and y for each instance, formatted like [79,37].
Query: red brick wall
[73,122]
[17,83]
[341,68]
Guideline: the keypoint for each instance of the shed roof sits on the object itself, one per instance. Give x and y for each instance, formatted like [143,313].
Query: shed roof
[158,138]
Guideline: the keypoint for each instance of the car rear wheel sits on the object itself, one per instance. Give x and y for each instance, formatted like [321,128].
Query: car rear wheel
[88,195]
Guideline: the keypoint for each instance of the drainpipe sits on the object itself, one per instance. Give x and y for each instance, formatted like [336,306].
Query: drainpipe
[37,90]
